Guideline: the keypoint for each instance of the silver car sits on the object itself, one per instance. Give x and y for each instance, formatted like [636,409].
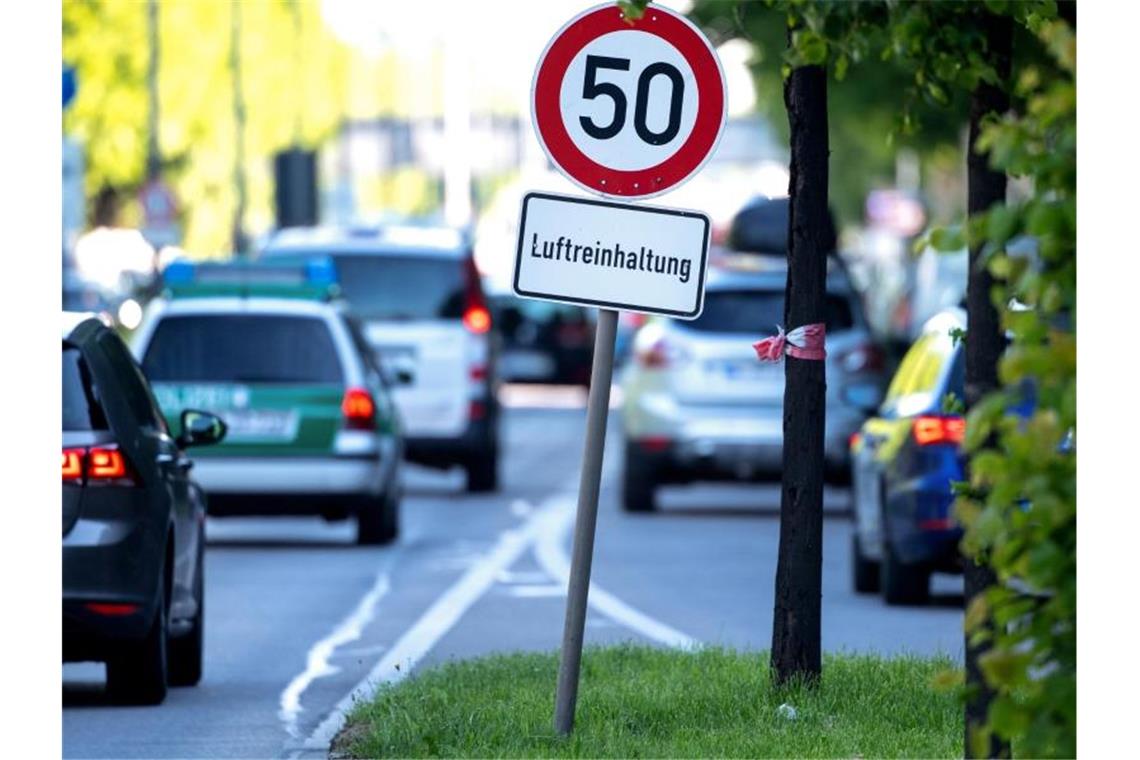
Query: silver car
[699,405]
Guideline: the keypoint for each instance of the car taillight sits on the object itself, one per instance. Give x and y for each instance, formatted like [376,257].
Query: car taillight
[73,465]
[477,319]
[105,463]
[659,354]
[359,409]
[654,443]
[930,430]
[476,316]
[112,610]
[866,357]
[97,465]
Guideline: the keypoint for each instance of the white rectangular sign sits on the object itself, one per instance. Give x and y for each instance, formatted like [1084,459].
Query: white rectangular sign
[612,255]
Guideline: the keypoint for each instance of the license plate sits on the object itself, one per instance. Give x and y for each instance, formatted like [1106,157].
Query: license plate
[526,364]
[260,425]
[739,370]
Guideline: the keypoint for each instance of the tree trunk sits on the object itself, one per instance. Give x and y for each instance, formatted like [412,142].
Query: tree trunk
[984,340]
[796,622]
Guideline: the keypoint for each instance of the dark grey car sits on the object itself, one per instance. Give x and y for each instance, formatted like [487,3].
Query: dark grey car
[133,522]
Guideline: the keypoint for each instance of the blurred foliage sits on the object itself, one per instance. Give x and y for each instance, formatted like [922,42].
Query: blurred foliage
[870,116]
[294,86]
[1020,507]
[917,63]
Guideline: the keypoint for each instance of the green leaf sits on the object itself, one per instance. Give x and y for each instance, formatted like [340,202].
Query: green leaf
[841,64]
[1006,718]
[812,48]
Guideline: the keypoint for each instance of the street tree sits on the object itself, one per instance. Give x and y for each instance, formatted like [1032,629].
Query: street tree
[951,49]
[106,41]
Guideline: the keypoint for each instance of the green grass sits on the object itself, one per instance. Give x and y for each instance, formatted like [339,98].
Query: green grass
[644,702]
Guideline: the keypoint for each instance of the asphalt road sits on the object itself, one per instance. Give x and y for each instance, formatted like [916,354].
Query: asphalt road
[298,617]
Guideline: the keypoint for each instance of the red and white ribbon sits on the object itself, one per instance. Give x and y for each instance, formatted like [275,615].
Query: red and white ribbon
[804,342]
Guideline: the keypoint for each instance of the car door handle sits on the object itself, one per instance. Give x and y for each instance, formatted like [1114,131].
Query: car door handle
[164,458]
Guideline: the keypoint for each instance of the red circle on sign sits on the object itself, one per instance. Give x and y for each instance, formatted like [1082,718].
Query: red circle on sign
[569,158]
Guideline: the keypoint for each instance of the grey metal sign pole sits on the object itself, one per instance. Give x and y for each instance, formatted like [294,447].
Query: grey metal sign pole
[597,410]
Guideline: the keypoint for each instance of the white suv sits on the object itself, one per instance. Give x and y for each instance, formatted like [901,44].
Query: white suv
[698,403]
[418,294]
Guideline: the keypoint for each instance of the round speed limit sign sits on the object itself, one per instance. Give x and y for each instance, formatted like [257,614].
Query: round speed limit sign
[627,108]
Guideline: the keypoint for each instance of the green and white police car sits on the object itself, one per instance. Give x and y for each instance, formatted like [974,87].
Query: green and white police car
[273,351]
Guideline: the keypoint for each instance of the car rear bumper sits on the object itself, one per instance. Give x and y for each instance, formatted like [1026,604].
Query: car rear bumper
[109,561]
[439,451]
[289,475]
[919,524]
[731,440]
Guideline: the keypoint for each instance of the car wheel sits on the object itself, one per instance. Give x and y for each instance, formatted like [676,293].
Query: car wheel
[184,658]
[903,584]
[638,482]
[864,572]
[378,520]
[483,472]
[137,673]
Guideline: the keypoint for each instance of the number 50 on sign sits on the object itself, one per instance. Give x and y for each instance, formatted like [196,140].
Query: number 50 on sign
[628,108]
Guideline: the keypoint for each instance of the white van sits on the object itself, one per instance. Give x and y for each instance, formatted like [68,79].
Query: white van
[418,294]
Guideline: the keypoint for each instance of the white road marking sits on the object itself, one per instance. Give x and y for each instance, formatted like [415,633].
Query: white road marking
[317,662]
[531,577]
[443,614]
[551,556]
[544,531]
[536,591]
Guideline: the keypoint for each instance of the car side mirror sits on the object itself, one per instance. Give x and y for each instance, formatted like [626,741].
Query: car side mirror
[200,428]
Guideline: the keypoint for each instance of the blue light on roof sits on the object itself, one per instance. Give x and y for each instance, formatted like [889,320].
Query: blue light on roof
[320,271]
[178,273]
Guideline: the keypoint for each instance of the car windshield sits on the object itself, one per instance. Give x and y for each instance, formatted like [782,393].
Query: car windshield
[757,312]
[402,287]
[81,410]
[242,348]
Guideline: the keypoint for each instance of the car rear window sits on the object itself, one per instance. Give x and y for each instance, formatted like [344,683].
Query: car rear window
[402,287]
[757,312]
[242,348]
[81,410]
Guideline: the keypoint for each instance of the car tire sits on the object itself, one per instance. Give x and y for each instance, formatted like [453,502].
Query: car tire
[378,520]
[864,572]
[638,482]
[903,584]
[483,471]
[184,653]
[137,673]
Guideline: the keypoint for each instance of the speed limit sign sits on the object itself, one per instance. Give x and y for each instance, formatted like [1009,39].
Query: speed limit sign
[628,108]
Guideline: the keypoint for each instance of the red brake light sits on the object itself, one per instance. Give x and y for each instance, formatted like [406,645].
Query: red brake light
[359,409]
[477,319]
[105,464]
[73,464]
[112,610]
[655,443]
[98,465]
[930,430]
